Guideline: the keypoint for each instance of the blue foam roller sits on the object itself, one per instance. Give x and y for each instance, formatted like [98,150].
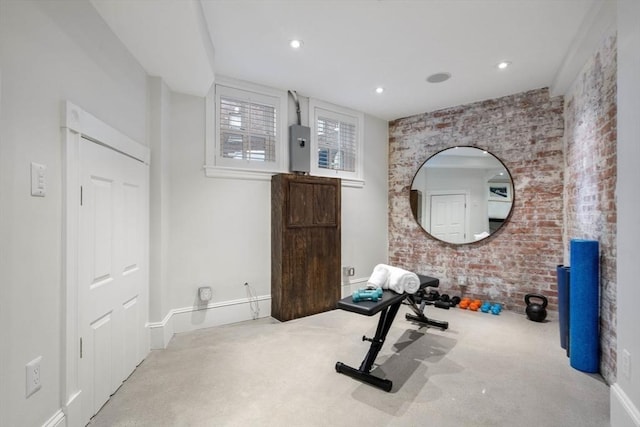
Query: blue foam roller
[584,340]
[563,305]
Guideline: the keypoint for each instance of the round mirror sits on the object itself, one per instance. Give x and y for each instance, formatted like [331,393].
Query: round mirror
[461,195]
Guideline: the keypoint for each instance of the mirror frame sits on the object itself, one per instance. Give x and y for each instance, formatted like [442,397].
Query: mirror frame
[494,232]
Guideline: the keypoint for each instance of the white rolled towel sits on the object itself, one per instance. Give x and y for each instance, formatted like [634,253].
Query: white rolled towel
[396,279]
[379,277]
[401,280]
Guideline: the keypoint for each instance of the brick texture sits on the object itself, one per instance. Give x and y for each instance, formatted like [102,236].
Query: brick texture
[561,154]
[590,181]
[525,131]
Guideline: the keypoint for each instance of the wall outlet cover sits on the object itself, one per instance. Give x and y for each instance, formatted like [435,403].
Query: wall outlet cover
[33,376]
[205,293]
[348,271]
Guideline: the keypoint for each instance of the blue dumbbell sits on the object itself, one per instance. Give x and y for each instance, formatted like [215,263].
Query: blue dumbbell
[367,295]
[496,309]
[485,307]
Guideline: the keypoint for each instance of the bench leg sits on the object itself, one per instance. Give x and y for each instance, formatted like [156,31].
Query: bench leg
[364,376]
[363,373]
[421,318]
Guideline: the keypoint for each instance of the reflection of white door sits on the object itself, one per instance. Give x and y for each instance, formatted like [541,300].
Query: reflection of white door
[448,217]
[112,271]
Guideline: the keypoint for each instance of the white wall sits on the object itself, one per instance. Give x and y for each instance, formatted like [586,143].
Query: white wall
[212,232]
[204,231]
[625,393]
[220,229]
[159,176]
[49,52]
[365,210]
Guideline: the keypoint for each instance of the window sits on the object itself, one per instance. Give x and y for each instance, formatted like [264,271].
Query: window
[336,144]
[247,130]
[336,141]
[247,137]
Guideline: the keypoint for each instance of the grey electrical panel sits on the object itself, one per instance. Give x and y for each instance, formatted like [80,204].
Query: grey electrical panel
[299,150]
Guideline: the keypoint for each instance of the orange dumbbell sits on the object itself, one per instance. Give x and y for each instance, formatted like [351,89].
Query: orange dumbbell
[464,303]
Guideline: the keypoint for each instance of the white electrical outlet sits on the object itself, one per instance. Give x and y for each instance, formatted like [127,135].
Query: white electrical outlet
[462,281]
[348,271]
[205,293]
[33,376]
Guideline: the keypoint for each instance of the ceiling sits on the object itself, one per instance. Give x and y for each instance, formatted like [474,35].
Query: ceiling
[351,47]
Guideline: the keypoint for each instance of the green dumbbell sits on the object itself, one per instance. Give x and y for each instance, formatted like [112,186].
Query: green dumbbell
[367,295]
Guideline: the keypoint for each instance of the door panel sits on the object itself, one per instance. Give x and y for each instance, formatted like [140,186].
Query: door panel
[131,336]
[101,333]
[448,219]
[300,207]
[102,230]
[324,207]
[112,270]
[131,237]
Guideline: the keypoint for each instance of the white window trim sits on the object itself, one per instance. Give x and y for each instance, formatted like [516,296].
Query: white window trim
[349,179]
[214,168]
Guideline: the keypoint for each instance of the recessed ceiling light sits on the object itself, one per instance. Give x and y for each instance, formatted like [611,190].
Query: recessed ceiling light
[504,64]
[296,44]
[379,89]
[438,77]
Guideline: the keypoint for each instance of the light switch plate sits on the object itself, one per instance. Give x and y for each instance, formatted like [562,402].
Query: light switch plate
[38,180]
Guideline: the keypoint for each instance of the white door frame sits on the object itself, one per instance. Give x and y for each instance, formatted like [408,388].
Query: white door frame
[76,125]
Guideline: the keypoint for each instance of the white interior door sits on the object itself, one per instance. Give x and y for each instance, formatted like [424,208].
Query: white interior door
[113,275]
[448,221]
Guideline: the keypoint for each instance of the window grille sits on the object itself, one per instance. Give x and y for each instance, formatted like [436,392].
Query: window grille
[337,144]
[247,130]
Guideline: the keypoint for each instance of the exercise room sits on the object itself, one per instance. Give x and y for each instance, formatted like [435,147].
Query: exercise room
[319,213]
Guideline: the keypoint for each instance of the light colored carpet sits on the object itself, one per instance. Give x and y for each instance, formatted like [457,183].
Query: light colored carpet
[485,370]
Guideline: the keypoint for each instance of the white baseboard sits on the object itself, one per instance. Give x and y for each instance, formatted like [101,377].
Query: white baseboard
[624,413]
[56,420]
[198,317]
[222,313]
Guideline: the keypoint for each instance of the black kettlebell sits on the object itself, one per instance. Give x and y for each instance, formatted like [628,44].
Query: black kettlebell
[536,312]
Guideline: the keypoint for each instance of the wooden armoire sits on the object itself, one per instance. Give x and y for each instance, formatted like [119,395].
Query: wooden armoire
[305,245]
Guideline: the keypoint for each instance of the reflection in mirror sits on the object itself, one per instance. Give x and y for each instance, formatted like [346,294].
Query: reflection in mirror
[461,195]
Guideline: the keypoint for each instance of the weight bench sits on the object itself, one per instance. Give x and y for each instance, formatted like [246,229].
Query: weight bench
[388,307]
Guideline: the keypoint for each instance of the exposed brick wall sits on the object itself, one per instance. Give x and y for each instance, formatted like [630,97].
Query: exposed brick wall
[526,132]
[590,181]
[561,183]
